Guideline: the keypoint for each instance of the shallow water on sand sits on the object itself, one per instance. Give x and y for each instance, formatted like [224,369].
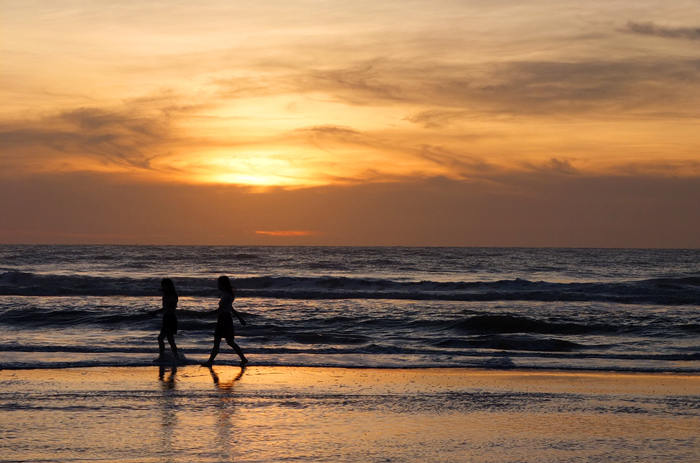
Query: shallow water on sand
[272,414]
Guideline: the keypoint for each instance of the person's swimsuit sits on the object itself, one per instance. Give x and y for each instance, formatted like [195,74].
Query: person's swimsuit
[224,324]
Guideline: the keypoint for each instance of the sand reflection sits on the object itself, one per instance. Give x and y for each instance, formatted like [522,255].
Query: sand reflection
[351,415]
[169,419]
[225,411]
[223,380]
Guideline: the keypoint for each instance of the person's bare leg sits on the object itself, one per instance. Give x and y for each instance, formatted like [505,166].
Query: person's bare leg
[238,350]
[214,351]
[173,347]
[161,344]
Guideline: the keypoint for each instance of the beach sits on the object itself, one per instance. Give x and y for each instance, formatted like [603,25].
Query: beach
[270,414]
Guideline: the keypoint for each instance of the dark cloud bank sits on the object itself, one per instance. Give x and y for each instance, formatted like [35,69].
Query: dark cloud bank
[534,209]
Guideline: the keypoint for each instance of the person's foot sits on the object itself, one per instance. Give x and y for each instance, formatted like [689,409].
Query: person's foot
[207,364]
[244,362]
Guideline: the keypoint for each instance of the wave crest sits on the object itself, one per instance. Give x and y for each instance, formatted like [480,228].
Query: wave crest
[671,291]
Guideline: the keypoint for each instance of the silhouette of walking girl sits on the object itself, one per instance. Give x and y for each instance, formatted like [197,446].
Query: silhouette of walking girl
[169,326]
[224,324]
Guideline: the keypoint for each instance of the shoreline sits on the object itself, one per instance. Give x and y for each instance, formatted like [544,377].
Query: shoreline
[495,369]
[351,373]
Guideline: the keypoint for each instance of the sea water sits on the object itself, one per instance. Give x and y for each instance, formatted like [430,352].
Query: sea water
[380,307]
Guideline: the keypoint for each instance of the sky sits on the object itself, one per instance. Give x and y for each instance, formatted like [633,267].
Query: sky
[382,123]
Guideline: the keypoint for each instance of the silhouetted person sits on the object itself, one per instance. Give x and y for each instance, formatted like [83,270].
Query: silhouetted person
[169,326]
[224,324]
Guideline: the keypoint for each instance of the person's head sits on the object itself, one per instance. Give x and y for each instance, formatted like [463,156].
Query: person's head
[225,285]
[168,286]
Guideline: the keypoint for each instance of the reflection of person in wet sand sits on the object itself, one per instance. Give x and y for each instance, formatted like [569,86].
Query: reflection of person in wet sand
[169,326]
[224,324]
[170,380]
[226,385]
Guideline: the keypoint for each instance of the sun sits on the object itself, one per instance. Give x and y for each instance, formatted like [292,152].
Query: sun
[257,167]
[259,180]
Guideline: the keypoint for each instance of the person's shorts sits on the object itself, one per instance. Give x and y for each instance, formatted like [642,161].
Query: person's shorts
[169,324]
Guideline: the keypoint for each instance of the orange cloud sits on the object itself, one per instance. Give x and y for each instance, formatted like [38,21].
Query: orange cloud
[288,233]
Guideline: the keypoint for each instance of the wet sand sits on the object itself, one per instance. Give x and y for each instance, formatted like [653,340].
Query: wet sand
[272,414]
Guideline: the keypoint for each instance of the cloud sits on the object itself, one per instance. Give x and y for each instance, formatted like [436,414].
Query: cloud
[555,166]
[382,152]
[125,138]
[251,86]
[357,82]
[571,88]
[361,84]
[341,134]
[460,164]
[437,118]
[136,135]
[439,94]
[649,28]
[474,113]
[291,233]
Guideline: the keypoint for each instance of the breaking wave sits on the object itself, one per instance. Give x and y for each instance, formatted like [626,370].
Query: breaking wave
[669,291]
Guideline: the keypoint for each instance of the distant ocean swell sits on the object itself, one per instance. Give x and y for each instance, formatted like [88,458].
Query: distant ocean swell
[667,291]
[632,310]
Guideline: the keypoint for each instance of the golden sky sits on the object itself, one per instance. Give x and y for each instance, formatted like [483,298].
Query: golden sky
[526,123]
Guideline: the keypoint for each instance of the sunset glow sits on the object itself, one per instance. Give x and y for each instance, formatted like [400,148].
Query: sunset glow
[275,97]
[287,233]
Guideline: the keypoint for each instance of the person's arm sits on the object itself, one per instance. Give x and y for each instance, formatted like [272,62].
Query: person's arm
[215,311]
[212,312]
[167,301]
[239,317]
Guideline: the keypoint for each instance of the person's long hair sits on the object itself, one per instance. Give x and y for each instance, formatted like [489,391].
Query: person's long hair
[225,286]
[168,287]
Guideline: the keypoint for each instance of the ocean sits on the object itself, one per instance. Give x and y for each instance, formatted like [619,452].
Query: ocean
[371,307]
